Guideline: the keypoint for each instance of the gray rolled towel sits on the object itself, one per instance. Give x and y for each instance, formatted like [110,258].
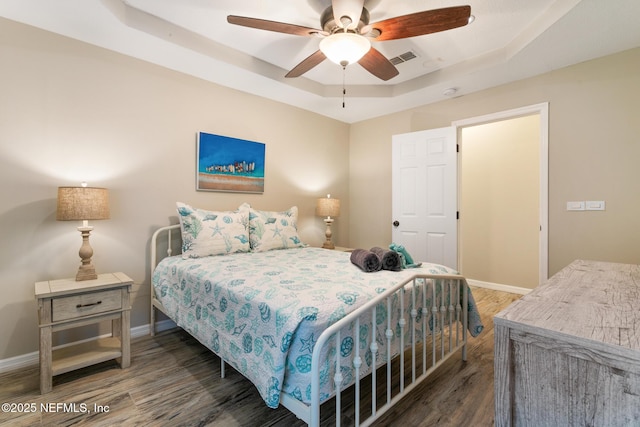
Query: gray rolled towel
[366,260]
[389,260]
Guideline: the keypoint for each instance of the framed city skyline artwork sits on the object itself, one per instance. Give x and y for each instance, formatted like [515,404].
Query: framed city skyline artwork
[229,164]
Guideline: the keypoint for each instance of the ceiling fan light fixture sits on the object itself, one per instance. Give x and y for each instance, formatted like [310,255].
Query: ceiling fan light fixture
[345,48]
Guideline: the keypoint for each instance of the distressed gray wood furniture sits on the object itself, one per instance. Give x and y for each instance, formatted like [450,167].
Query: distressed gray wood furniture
[67,303]
[568,353]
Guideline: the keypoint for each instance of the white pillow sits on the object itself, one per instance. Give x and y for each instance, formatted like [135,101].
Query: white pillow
[206,233]
[274,230]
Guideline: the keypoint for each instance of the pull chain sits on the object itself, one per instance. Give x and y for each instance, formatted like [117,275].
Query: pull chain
[344,89]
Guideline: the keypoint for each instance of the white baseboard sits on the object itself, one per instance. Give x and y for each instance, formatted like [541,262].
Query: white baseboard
[31,359]
[499,287]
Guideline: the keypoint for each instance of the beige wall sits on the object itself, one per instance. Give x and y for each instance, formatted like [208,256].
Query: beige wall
[71,112]
[593,155]
[499,201]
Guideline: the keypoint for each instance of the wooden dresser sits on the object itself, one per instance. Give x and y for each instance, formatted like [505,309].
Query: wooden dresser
[568,353]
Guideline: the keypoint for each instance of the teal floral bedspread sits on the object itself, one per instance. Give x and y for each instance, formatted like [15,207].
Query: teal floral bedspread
[262,312]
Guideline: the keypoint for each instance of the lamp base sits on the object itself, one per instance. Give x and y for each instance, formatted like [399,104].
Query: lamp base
[86,271]
[328,244]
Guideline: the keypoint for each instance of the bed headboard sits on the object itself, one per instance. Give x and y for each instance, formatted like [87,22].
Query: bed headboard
[166,241]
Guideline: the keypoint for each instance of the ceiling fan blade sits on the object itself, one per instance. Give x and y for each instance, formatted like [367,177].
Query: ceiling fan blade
[350,8]
[278,27]
[307,64]
[420,23]
[375,63]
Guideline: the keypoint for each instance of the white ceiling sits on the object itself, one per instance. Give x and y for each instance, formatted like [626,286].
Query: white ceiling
[509,40]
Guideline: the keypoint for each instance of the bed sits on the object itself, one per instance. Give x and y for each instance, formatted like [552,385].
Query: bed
[304,324]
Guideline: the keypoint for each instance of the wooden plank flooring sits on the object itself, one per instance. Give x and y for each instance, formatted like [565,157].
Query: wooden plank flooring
[173,380]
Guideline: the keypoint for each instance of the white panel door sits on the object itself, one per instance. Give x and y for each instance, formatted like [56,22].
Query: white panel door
[424,195]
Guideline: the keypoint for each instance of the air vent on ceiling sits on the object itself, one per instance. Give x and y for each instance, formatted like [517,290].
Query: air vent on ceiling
[407,56]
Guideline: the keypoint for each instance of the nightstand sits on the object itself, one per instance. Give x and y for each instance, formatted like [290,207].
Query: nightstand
[67,303]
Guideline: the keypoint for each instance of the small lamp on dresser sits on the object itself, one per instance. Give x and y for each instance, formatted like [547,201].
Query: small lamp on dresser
[83,204]
[329,209]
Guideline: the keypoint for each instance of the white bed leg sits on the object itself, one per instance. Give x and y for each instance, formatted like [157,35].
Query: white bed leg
[374,356]
[152,320]
[434,321]
[389,335]
[222,373]
[337,378]
[465,318]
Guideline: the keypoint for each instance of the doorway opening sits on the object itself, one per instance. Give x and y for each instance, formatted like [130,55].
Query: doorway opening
[498,227]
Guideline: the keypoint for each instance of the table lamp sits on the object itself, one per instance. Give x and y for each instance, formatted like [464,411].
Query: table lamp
[328,208]
[83,204]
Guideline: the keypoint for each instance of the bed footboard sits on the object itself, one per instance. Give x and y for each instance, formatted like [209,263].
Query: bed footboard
[443,325]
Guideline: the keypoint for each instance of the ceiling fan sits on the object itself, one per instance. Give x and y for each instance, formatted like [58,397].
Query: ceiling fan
[347,34]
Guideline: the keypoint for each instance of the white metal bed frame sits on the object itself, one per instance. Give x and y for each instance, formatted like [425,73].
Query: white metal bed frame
[448,336]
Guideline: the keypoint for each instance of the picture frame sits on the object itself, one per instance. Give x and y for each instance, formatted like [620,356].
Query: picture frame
[229,164]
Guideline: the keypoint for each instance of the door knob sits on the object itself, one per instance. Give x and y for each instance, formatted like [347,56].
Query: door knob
[396,223]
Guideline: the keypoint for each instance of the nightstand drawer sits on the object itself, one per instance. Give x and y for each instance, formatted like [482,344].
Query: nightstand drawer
[81,305]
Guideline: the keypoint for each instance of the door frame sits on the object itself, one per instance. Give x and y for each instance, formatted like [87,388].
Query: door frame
[542,110]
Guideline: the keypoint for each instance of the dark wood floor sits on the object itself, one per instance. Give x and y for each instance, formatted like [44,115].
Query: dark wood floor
[173,380]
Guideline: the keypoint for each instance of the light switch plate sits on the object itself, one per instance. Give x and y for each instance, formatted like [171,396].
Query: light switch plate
[575,206]
[595,205]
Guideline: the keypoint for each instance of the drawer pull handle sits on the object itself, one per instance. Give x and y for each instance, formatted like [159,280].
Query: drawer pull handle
[88,305]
